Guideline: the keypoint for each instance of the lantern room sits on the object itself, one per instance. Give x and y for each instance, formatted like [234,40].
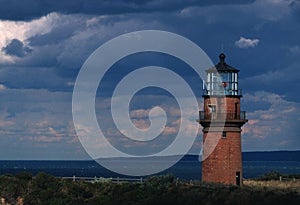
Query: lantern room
[222,79]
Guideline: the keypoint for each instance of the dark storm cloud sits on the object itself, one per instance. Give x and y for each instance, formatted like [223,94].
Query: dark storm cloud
[16,48]
[36,87]
[28,9]
[32,78]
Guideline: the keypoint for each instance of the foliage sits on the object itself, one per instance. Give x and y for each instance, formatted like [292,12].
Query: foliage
[24,176]
[276,175]
[270,176]
[46,189]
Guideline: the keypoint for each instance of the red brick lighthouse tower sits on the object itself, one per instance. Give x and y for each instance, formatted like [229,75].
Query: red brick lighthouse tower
[222,120]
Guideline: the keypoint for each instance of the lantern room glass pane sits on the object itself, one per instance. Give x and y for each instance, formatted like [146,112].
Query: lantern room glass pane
[222,83]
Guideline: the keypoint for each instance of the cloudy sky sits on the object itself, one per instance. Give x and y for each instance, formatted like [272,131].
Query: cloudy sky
[43,45]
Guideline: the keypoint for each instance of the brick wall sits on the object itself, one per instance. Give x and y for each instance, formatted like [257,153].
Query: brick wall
[222,156]
[223,104]
[225,160]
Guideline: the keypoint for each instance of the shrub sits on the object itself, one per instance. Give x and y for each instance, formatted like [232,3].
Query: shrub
[24,175]
[271,176]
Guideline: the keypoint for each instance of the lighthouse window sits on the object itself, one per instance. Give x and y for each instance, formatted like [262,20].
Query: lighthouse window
[212,108]
[224,135]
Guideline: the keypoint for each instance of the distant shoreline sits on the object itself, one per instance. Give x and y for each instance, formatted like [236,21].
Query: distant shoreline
[293,155]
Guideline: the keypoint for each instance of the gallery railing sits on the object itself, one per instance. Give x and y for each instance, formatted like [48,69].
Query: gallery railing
[222,115]
[222,92]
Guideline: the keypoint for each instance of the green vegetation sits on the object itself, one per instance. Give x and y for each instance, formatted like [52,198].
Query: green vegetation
[276,176]
[49,190]
[276,181]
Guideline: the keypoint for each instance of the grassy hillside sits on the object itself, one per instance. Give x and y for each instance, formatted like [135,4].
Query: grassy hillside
[46,189]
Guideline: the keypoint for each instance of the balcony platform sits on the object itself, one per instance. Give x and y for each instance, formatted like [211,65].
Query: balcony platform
[228,119]
[222,93]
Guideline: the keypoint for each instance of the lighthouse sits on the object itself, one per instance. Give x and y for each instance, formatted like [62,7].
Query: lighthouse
[222,120]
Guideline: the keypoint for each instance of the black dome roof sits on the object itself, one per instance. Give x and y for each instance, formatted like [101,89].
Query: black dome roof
[222,66]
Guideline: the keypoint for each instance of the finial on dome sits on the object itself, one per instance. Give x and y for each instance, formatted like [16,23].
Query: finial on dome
[222,57]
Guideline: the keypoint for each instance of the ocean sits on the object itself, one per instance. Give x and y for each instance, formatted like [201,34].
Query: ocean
[255,164]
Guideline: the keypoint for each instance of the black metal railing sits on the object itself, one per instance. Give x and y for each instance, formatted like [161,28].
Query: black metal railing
[222,115]
[222,92]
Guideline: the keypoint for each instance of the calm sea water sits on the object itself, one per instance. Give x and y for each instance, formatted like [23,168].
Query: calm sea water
[188,168]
